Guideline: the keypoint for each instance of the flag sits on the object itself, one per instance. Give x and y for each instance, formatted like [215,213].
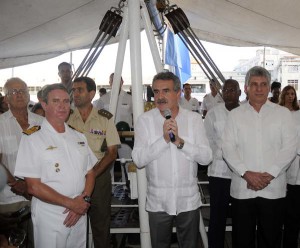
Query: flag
[177,55]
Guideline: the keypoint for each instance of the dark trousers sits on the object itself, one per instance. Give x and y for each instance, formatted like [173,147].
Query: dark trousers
[100,211]
[25,225]
[187,228]
[265,214]
[292,217]
[219,191]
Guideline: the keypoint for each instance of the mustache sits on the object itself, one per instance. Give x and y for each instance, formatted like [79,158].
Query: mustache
[161,101]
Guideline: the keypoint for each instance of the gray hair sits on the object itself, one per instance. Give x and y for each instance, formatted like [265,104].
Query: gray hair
[47,89]
[257,71]
[12,80]
[166,75]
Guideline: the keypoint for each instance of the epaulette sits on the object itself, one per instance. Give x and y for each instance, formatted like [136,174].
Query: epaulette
[74,128]
[32,130]
[105,113]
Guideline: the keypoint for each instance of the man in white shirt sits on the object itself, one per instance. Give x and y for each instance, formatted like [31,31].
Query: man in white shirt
[259,143]
[210,100]
[124,106]
[102,92]
[65,73]
[12,123]
[219,175]
[171,167]
[188,102]
[57,165]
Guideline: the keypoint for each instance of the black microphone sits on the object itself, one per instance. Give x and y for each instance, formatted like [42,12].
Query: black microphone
[167,115]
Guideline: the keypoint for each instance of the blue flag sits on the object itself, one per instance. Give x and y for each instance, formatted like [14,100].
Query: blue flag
[177,55]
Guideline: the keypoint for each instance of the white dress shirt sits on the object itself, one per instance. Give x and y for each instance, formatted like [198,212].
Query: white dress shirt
[171,172]
[260,142]
[124,106]
[10,136]
[214,124]
[293,172]
[209,101]
[192,104]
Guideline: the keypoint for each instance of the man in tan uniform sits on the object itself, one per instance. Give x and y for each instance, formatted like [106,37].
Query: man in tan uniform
[99,128]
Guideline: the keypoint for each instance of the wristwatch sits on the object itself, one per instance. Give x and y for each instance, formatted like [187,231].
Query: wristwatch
[87,199]
[181,144]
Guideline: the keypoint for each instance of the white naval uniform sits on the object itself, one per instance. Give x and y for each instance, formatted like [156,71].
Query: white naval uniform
[61,161]
[124,106]
[192,104]
[209,101]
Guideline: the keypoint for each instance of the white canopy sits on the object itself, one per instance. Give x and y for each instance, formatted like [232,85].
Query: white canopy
[35,30]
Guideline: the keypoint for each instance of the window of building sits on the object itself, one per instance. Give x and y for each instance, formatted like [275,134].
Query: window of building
[269,62]
[31,88]
[293,68]
[199,88]
[198,91]
[294,83]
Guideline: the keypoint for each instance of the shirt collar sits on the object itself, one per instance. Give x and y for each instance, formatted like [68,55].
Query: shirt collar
[49,127]
[93,113]
[30,115]
[9,114]
[267,104]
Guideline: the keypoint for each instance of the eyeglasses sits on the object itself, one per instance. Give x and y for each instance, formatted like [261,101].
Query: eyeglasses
[17,91]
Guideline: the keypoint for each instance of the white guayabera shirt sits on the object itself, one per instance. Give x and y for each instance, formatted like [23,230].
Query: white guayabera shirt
[10,136]
[260,142]
[171,172]
[214,124]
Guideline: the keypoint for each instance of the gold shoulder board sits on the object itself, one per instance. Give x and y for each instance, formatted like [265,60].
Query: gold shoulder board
[32,130]
[74,128]
[105,113]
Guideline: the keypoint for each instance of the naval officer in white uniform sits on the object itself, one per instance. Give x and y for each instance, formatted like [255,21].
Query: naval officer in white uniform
[124,105]
[57,165]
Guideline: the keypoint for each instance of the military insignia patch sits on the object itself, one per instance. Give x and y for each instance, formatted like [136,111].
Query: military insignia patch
[32,130]
[105,113]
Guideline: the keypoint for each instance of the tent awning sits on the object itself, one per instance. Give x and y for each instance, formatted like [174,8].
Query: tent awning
[35,30]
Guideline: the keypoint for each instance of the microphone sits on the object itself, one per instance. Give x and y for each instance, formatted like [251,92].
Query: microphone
[167,115]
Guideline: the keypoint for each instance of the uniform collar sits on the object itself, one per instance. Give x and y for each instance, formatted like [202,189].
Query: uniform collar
[49,127]
[93,113]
